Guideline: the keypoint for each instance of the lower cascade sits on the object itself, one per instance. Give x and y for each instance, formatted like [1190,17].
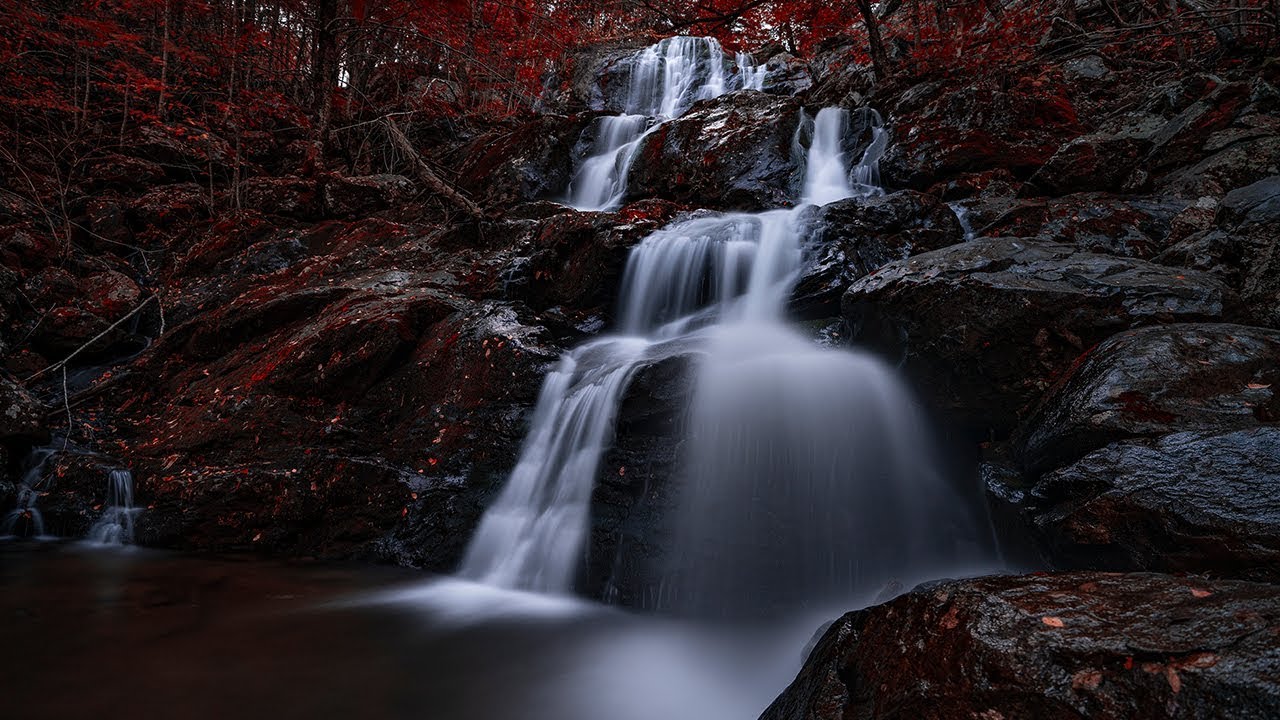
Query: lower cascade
[115,527]
[809,476]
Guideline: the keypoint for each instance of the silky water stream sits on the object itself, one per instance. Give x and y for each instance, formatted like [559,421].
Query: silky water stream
[809,486]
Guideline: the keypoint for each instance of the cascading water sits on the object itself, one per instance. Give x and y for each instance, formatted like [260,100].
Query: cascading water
[810,477]
[25,519]
[828,175]
[115,527]
[666,78]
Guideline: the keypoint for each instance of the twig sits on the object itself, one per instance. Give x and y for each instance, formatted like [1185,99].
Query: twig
[63,362]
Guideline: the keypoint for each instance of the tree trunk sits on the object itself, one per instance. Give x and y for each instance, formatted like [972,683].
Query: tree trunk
[879,60]
[324,71]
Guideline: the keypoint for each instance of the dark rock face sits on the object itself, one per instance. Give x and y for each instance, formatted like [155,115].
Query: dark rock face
[21,415]
[529,162]
[988,325]
[940,129]
[573,261]
[1189,501]
[1097,222]
[634,497]
[1157,380]
[857,236]
[734,152]
[1253,215]
[1068,646]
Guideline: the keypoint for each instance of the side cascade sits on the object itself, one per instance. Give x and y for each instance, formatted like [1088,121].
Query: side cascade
[25,519]
[115,527]
[665,79]
[810,476]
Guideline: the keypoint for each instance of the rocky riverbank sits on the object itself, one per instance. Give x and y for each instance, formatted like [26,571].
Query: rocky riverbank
[1077,264]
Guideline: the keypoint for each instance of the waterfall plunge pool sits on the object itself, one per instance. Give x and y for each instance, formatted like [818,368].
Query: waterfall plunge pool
[91,632]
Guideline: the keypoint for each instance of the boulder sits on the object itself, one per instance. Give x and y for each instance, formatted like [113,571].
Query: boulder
[856,236]
[1195,501]
[732,152]
[986,326]
[529,162]
[574,260]
[1253,215]
[634,500]
[1153,381]
[1059,647]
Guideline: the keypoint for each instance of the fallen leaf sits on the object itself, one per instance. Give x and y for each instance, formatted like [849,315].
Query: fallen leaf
[1052,621]
[1200,593]
[1175,683]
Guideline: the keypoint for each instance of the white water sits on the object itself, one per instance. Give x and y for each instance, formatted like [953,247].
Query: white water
[25,519]
[115,527]
[827,445]
[828,173]
[666,78]
[962,216]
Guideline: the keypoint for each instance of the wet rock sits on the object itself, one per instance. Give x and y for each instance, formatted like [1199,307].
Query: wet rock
[732,152]
[1097,222]
[1253,215]
[856,236]
[1238,163]
[941,129]
[1157,380]
[251,430]
[352,196]
[600,74]
[1096,645]
[574,260]
[634,500]
[529,162]
[785,74]
[986,326]
[1196,501]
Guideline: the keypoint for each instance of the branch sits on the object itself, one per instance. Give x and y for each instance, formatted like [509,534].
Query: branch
[63,362]
[426,174]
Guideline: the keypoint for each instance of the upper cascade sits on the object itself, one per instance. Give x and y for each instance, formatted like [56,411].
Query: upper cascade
[665,80]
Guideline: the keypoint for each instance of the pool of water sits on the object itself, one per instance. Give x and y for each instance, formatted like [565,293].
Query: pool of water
[94,632]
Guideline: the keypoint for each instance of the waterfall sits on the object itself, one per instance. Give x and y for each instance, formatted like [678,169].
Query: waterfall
[752,74]
[115,527]
[961,212]
[810,476]
[601,180]
[665,79]
[828,174]
[25,519]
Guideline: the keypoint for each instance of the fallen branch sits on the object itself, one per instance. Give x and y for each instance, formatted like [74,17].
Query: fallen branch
[63,362]
[426,174]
